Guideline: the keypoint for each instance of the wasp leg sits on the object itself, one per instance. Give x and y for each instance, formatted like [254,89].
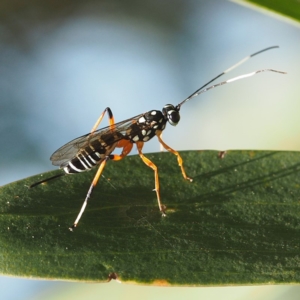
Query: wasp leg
[101,166]
[127,146]
[88,195]
[179,159]
[110,118]
[150,164]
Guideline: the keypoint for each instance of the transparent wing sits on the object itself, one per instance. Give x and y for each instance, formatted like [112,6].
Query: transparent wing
[68,151]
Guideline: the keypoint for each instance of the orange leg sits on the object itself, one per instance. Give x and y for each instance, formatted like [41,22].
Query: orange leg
[179,159]
[110,118]
[101,166]
[150,164]
[127,146]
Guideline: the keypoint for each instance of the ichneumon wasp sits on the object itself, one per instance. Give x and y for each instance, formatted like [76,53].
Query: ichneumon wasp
[96,147]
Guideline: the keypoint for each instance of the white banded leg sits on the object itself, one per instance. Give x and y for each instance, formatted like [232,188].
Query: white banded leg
[88,195]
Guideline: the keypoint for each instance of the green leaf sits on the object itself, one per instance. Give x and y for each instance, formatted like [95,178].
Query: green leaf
[289,8]
[237,223]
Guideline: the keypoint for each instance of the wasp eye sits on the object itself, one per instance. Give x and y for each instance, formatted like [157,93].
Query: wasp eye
[173,117]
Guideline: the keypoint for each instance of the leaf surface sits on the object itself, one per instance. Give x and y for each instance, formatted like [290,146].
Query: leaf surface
[236,223]
[289,8]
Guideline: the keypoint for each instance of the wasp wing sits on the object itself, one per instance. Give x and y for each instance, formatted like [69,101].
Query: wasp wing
[68,151]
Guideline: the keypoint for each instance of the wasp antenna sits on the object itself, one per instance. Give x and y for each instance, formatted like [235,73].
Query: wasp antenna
[46,179]
[245,59]
[196,93]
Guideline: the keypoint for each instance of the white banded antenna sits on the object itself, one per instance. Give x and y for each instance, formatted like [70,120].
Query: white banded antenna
[202,89]
[229,81]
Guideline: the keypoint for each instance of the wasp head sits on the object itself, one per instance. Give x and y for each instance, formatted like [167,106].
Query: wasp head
[171,113]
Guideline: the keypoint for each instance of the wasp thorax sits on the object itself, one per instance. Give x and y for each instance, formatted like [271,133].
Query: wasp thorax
[171,114]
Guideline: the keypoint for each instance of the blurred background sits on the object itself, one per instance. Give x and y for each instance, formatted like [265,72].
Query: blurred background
[63,62]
